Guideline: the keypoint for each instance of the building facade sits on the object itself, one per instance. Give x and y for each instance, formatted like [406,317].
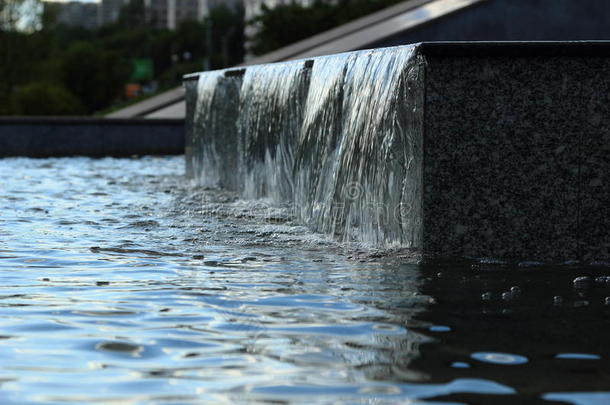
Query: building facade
[73,13]
[167,14]
[109,11]
[161,14]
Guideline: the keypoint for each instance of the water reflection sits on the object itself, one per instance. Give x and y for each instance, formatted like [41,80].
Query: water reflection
[527,342]
[120,282]
[117,275]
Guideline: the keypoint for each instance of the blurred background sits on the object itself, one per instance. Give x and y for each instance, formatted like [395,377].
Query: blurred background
[126,58]
[91,58]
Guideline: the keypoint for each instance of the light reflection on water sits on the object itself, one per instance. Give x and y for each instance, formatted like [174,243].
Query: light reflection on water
[122,283]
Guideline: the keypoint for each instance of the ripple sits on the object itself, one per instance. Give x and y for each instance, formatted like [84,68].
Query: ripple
[121,347]
[194,295]
[578,356]
[579,398]
[143,224]
[499,358]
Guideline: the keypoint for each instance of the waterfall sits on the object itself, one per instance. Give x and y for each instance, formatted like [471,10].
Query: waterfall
[357,172]
[270,115]
[319,137]
[214,134]
[340,140]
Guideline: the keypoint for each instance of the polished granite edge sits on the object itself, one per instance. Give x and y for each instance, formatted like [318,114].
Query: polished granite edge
[59,137]
[516,48]
[84,120]
[516,160]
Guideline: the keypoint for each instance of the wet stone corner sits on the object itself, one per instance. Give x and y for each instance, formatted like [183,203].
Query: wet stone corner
[513,167]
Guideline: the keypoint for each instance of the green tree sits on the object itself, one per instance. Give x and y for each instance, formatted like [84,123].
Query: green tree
[95,76]
[227,30]
[132,15]
[60,62]
[16,51]
[42,98]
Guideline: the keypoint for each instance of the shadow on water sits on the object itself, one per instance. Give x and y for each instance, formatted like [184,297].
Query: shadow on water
[543,331]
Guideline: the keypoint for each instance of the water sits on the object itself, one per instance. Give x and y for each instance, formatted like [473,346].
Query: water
[214,121]
[359,148]
[124,283]
[338,137]
[270,115]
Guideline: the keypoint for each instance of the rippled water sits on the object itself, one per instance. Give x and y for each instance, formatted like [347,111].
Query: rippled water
[122,283]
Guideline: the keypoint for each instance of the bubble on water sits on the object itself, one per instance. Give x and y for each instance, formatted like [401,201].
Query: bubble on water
[557,300]
[486,296]
[601,280]
[582,282]
[499,358]
[607,301]
[581,303]
[507,296]
[515,291]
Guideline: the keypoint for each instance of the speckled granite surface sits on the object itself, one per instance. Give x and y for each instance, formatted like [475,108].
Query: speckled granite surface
[517,156]
[595,172]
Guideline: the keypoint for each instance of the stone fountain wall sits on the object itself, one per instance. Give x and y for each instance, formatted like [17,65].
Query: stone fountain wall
[482,150]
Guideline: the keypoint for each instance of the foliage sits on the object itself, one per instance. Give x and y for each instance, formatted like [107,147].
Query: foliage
[291,22]
[60,69]
[95,76]
[42,98]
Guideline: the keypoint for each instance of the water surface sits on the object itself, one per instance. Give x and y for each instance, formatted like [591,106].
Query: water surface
[123,283]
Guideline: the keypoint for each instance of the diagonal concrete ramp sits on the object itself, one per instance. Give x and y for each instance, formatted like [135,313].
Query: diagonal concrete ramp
[358,34]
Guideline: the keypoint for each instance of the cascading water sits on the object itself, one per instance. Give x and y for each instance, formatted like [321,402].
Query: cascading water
[214,129]
[357,171]
[317,145]
[270,115]
[341,141]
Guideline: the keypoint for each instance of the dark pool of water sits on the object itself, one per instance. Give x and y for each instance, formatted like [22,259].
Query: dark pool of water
[122,283]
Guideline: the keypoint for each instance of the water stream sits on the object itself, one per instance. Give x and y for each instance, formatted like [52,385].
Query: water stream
[337,138]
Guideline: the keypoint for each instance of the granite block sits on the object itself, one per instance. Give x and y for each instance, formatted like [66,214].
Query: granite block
[503,148]
[497,100]
[595,202]
[508,202]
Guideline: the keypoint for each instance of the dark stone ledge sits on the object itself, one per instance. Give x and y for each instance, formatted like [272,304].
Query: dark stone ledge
[85,136]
